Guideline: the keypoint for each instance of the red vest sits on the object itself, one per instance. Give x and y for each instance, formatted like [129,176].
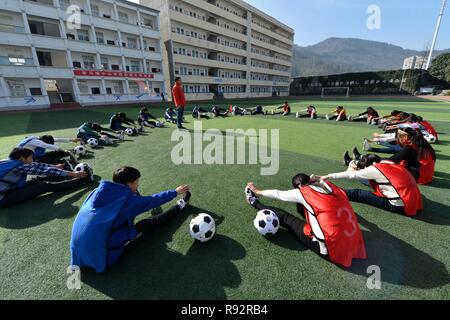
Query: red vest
[430,128]
[426,170]
[332,220]
[403,182]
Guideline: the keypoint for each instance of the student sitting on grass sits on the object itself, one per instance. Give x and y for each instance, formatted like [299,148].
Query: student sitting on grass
[394,115]
[219,112]
[330,228]
[104,227]
[309,112]
[14,187]
[41,145]
[258,110]
[119,120]
[286,109]
[200,113]
[395,189]
[90,130]
[170,115]
[144,117]
[339,114]
[369,116]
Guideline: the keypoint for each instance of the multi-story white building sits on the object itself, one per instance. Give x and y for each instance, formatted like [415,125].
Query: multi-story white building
[47,58]
[224,48]
[415,62]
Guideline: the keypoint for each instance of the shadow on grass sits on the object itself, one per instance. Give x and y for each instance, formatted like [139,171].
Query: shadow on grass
[400,263]
[434,213]
[153,270]
[43,209]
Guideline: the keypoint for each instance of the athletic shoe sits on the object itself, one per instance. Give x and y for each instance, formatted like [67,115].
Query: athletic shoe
[141,129]
[347,159]
[327,117]
[350,118]
[68,166]
[199,116]
[250,196]
[273,112]
[297,115]
[90,173]
[182,203]
[265,112]
[356,154]
[73,159]
[122,136]
[366,145]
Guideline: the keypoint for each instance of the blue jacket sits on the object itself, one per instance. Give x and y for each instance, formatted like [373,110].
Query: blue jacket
[105,224]
[10,180]
[38,152]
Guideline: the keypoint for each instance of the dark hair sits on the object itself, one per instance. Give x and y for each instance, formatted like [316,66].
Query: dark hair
[126,175]
[286,102]
[47,139]
[418,141]
[414,118]
[395,113]
[122,115]
[144,109]
[368,160]
[18,153]
[370,109]
[96,127]
[300,180]
[177,79]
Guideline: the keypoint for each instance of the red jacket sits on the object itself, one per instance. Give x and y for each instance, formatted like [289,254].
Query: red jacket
[334,222]
[178,96]
[430,129]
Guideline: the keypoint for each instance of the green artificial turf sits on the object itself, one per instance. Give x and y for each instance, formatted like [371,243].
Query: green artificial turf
[413,254]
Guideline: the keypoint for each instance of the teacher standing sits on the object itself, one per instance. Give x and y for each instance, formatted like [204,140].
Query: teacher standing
[179,100]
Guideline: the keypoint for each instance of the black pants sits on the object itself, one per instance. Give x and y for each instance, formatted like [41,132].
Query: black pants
[257,112]
[295,226]
[37,187]
[146,226]
[53,157]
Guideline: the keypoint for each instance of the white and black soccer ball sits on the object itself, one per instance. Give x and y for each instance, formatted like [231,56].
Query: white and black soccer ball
[82,167]
[267,223]
[129,131]
[92,142]
[202,227]
[159,124]
[80,150]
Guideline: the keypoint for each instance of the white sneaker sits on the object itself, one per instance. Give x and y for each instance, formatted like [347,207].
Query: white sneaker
[122,136]
[297,115]
[327,117]
[199,116]
[366,145]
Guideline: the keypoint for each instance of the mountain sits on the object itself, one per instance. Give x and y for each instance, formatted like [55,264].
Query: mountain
[341,55]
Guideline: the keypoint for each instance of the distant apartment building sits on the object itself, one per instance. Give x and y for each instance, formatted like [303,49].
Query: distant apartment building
[415,62]
[112,56]
[224,48]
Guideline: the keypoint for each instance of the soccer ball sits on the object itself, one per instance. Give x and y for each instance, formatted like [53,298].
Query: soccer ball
[92,142]
[202,227]
[159,124]
[80,150]
[129,131]
[267,222]
[82,167]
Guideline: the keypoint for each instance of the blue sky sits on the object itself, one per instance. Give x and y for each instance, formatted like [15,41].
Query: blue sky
[407,23]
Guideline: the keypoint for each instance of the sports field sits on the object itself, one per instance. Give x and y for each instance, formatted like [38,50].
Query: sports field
[413,254]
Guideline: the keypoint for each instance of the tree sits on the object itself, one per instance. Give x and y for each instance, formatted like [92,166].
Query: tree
[440,68]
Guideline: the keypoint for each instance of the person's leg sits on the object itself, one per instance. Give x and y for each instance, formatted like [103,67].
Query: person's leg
[180,117]
[367,197]
[37,187]
[387,148]
[294,225]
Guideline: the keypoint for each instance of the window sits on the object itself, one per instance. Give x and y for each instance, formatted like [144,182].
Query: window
[115,67]
[104,63]
[132,43]
[118,87]
[83,87]
[100,38]
[45,58]
[134,88]
[94,11]
[83,35]
[64,4]
[123,17]
[111,42]
[95,90]
[17,60]
[89,62]
[76,64]
[108,91]
[135,66]
[17,88]
[70,36]
[35,91]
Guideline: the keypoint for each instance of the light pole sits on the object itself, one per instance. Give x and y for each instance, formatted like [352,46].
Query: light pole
[441,13]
